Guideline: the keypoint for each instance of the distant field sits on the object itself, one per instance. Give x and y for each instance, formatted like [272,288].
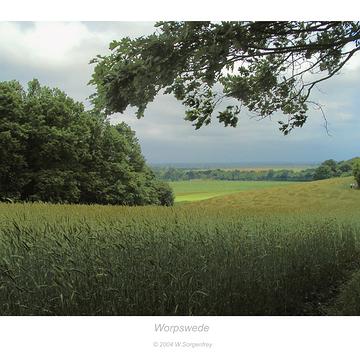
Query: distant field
[321,197]
[196,190]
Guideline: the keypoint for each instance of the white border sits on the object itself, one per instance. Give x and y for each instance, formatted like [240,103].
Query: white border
[146,10]
[280,338]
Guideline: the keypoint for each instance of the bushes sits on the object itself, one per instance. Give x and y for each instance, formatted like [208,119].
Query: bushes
[165,193]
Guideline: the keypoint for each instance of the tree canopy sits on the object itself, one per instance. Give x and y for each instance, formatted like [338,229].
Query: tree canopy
[266,66]
[52,150]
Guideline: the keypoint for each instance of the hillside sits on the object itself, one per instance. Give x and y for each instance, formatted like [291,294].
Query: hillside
[328,196]
[195,190]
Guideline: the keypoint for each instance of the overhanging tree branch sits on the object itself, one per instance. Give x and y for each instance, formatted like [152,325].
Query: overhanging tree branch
[266,66]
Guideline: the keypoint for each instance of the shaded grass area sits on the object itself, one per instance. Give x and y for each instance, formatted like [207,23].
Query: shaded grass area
[195,190]
[347,301]
[241,259]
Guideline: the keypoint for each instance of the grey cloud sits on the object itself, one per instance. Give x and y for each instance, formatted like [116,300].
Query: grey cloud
[125,28]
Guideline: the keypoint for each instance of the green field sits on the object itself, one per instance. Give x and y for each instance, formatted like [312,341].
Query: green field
[196,190]
[285,250]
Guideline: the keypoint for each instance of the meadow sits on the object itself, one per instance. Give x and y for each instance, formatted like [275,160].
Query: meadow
[195,190]
[284,250]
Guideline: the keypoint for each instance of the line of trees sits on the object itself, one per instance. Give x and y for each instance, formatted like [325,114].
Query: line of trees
[328,169]
[53,150]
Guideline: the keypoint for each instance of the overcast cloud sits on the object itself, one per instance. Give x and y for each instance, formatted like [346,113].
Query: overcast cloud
[58,55]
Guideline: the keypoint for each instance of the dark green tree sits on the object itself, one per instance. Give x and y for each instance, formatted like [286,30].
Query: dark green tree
[332,164]
[328,169]
[323,172]
[356,171]
[265,66]
[52,150]
[344,167]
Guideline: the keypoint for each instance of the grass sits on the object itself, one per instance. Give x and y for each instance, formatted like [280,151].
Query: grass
[324,196]
[196,190]
[281,251]
[347,301]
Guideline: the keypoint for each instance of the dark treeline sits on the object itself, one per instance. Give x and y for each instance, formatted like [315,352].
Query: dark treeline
[328,169]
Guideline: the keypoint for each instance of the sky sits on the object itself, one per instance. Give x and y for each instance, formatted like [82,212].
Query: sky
[58,55]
